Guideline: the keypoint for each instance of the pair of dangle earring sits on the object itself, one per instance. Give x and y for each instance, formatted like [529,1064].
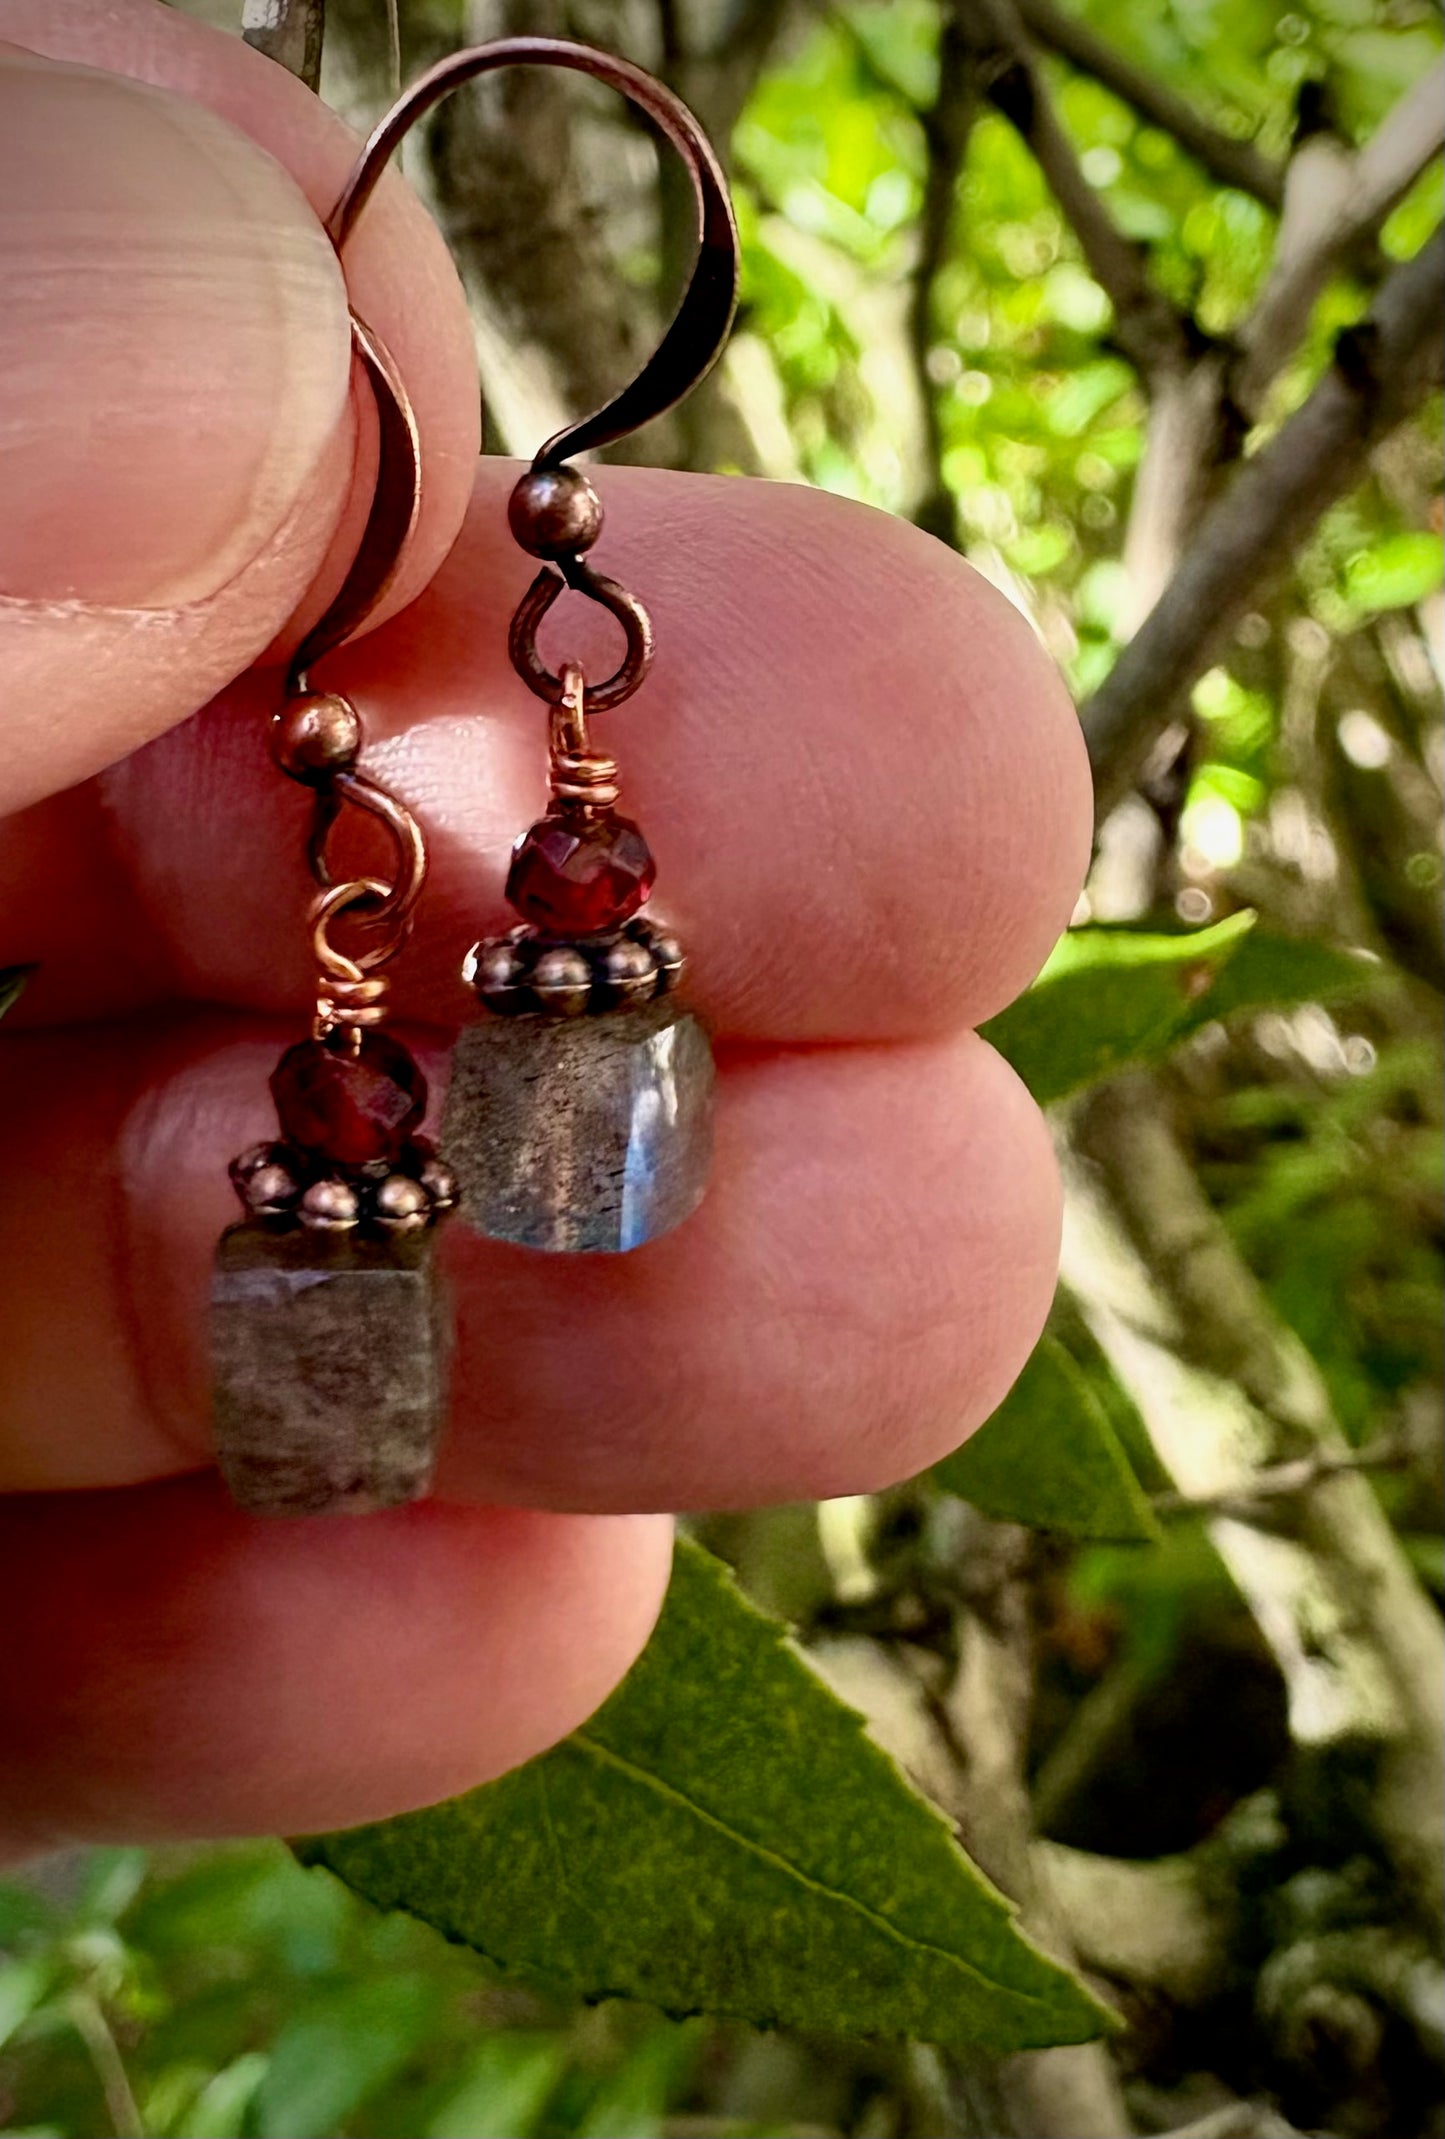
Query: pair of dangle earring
[579,1113]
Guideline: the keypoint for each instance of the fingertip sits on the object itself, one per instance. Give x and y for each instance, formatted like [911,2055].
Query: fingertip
[921,738]
[189,1670]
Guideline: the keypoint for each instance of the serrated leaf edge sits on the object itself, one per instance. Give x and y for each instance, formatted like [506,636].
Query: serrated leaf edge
[310,1851]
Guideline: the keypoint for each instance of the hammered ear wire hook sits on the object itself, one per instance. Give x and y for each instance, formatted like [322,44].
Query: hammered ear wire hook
[686,353]
[694,340]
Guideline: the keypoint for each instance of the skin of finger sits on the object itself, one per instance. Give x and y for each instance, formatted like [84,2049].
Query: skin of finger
[861,777]
[187,1670]
[160,662]
[867,1273]
[399,274]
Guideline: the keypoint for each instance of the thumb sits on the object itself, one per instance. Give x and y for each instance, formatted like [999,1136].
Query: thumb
[177,441]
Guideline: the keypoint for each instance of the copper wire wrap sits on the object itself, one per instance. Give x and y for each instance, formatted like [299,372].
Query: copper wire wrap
[351,988]
[580,777]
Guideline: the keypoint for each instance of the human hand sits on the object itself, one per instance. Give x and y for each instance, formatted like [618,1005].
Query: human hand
[868,799]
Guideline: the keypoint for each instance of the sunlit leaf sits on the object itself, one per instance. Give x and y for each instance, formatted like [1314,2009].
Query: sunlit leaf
[505,2086]
[220,2109]
[1108,997]
[1268,970]
[631,2103]
[24,1985]
[1397,571]
[724,1837]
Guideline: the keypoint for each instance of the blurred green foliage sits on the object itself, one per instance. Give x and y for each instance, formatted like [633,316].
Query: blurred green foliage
[215,1993]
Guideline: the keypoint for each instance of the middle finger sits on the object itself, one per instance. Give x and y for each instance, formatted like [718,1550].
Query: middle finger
[861,777]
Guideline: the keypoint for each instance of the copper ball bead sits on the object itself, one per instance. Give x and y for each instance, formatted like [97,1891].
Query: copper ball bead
[330,1206]
[402,1203]
[554,512]
[316,735]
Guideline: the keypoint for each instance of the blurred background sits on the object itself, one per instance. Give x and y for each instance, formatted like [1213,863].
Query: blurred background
[1035,275]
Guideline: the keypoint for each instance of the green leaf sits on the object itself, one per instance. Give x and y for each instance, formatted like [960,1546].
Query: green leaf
[1391,574]
[1270,970]
[505,2088]
[219,2110]
[12,984]
[24,1986]
[723,1837]
[1050,1457]
[631,2103]
[1109,997]
[337,2051]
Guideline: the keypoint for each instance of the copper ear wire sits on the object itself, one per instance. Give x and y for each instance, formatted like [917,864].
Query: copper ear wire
[687,351]
[694,340]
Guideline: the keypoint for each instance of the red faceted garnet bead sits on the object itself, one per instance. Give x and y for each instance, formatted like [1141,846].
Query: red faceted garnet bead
[573,875]
[352,1109]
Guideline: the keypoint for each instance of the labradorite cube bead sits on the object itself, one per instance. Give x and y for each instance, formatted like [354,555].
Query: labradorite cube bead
[329,1353]
[584,1135]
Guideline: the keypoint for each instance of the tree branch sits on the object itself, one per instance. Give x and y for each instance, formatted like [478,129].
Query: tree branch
[289,31]
[947,126]
[963,1743]
[1225,1390]
[1233,163]
[1332,201]
[1163,1924]
[1381,371]
[982,1714]
[1153,333]
[712,57]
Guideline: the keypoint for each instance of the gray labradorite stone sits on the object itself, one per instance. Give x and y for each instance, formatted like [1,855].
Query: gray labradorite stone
[588,1134]
[329,1353]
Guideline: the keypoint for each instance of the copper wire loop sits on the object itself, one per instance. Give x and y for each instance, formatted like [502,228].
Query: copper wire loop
[398,900]
[367,895]
[552,581]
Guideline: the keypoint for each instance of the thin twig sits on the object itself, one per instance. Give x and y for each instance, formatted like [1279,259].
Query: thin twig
[1237,2120]
[1233,163]
[91,2025]
[1226,1391]
[1286,1481]
[393,43]
[1382,370]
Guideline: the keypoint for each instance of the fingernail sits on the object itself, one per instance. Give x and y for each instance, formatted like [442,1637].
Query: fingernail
[173,340]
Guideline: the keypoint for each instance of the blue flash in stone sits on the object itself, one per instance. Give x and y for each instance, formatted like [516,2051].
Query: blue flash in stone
[582,1135]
